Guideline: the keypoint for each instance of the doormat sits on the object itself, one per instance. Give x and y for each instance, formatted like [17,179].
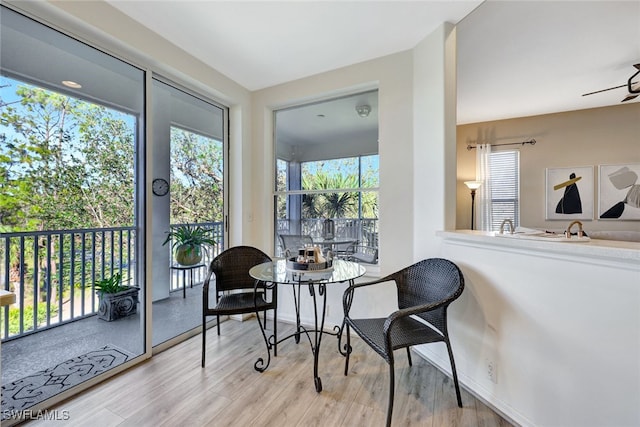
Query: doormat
[33,389]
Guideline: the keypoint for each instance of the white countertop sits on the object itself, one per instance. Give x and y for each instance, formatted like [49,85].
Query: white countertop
[603,250]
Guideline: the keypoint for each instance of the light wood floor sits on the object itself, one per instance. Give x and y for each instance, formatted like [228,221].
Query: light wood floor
[172,389]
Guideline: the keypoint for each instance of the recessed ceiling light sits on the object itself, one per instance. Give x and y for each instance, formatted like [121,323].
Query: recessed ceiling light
[320,115]
[71,84]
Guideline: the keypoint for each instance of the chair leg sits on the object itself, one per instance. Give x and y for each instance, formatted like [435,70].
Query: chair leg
[348,351]
[454,373]
[409,356]
[204,338]
[392,383]
[218,324]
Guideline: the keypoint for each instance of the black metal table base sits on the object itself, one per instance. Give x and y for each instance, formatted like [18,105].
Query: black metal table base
[314,336]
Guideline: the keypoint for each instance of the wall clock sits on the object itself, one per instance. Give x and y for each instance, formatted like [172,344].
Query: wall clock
[160,187]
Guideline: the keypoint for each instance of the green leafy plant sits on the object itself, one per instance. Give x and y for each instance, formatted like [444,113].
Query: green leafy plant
[14,318]
[189,235]
[110,285]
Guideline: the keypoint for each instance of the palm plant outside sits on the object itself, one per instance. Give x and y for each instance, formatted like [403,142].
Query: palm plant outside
[330,204]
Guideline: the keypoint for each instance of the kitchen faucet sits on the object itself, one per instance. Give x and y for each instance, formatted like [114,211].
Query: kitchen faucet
[508,221]
[567,233]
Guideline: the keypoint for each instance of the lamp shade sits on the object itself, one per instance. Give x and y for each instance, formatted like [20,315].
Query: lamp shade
[473,185]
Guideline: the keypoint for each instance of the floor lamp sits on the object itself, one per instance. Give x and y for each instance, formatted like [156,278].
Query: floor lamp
[473,186]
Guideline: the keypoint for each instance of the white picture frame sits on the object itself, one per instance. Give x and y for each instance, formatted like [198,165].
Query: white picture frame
[619,192]
[570,193]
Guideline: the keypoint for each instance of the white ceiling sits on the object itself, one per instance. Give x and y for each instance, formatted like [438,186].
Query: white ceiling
[515,58]
[524,58]
[264,43]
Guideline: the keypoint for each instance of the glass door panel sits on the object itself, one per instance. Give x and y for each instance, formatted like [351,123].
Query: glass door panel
[189,147]
[70,179]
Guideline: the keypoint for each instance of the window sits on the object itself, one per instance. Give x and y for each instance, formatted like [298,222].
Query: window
[344,190]
[326,167]
[505,187]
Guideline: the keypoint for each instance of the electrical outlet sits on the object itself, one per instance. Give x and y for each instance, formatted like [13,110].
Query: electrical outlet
[492,371]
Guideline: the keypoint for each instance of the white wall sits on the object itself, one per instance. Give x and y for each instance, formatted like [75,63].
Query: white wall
[562,329]
[434,161]
[161,206]
[392,75]
[417,159]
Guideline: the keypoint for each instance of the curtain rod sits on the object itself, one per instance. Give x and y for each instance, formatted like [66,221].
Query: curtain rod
[532,142]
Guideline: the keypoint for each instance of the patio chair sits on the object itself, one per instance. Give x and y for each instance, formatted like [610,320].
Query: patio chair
[293,242]
[425,290]
[234,289]
[362,254]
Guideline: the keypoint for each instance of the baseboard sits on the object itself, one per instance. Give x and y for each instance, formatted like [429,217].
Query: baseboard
[505,410]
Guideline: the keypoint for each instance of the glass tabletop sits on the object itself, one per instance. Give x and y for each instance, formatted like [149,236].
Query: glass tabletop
[277,272]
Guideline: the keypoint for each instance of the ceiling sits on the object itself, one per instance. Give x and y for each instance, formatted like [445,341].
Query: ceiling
[521,58]
[515,58]
[260,44]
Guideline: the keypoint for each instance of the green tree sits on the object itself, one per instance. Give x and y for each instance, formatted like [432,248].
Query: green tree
[331,204]
[196,178]
[64,163]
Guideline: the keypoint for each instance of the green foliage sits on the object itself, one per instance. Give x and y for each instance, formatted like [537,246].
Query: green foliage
[14,317]
[110,285]
[196,178]
[188,235]
[334,175]
[64,163]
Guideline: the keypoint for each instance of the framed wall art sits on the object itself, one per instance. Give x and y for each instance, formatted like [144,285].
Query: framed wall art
[619,192]
[570,193]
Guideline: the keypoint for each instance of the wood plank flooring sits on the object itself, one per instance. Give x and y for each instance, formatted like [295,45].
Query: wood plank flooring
[172,389]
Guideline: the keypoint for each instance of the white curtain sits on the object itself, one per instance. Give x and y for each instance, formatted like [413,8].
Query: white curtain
[484,214]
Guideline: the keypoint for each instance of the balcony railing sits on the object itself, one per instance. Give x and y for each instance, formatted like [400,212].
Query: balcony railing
[363,230]
[53,273]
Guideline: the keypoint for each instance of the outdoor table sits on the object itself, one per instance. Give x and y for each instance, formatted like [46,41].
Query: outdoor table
[184,269]
[276,272]
[7,298]
[332,243]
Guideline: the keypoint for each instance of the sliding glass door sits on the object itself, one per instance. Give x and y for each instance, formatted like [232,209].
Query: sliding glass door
[189,154]
[71,187]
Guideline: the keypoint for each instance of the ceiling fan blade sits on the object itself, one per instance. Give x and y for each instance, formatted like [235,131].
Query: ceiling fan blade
[603,90]
[630,97]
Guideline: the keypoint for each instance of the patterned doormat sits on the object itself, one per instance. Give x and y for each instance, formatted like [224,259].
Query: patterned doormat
[33,389]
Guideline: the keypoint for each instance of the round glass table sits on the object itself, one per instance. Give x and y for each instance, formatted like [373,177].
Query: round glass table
[276,272]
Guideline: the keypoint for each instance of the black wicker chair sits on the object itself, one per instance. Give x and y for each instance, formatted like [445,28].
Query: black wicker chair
[231,271]
[425,290]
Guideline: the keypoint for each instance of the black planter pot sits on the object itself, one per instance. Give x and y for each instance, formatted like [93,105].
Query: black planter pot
[118,305]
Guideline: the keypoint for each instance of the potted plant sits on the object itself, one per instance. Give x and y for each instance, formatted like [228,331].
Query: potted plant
[187,241]
[115,299]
